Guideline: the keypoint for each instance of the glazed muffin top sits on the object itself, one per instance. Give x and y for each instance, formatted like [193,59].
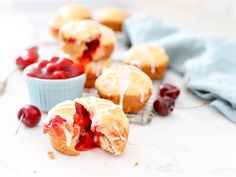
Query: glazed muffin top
[124,80]
[70,12]
[113,14]
[145,55]
[86,31]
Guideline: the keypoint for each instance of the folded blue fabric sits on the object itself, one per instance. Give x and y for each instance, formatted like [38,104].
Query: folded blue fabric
[209,61]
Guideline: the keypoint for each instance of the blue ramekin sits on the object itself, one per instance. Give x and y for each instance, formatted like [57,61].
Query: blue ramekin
[46,93]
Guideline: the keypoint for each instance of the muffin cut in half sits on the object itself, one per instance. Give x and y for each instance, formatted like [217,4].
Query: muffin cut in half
[87,123]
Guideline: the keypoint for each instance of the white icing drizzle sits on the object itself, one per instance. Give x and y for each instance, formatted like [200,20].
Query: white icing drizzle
[135,62]
[92,104]
[68,136]
[98,107]
[121,75]
[124,82]
[151,58]
[117,129]
[141,92]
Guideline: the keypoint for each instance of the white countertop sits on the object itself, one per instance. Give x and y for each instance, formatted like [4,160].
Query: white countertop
[192,143]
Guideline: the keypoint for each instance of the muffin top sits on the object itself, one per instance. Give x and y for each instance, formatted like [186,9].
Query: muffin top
[145,55]
[86,31]
[124,80]
[113,14]
[70,12]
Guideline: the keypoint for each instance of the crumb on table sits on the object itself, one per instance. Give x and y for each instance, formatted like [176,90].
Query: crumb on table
[51,155]
[136,163]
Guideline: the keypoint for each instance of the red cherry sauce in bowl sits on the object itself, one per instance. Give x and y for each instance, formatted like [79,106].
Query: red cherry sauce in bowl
[56,68]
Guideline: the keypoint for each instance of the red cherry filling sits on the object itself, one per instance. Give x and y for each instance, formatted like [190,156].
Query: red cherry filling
[88,139]
[29,57]
[170,91]
[91,50]
[164,105]
[56,68]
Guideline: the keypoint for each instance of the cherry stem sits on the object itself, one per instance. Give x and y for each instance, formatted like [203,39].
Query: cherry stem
[21,118]
[193,107]
[176,89]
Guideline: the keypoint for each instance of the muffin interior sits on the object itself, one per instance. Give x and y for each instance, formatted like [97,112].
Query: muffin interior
[79,134]
[91,48]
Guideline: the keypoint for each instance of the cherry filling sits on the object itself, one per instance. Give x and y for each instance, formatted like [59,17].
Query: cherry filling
[88,139]
[91,50]
[56,68]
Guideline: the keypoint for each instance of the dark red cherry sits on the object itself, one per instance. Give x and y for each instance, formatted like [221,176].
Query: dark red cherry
[164,105]
[29,57]
[170,91]
[30,115]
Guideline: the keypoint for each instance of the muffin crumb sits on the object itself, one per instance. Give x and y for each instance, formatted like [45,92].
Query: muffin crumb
[51,155]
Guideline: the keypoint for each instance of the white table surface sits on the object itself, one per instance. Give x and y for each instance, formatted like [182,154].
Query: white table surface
[192,143]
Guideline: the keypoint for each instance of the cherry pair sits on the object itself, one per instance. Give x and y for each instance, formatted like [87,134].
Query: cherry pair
[164,105]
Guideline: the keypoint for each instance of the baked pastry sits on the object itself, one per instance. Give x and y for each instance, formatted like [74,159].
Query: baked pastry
[68,13]
[112,17]
[86,40]
[93,70]
[149,58]
[125,85]
[87,123]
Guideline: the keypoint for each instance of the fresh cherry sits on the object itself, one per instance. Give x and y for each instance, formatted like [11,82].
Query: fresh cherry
[164,105]
[29,57]
[29,115]
[170,91]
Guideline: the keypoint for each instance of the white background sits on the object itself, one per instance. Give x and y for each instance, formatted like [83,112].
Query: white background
[196,143]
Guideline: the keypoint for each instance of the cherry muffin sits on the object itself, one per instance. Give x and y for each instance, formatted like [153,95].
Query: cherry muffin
[149,58]
[86,40]
[125,85]
[68,13]
[87,123]
[93,70]
[112,17]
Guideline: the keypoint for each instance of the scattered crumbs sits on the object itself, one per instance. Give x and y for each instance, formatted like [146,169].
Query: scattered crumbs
[136,163]
[51,155]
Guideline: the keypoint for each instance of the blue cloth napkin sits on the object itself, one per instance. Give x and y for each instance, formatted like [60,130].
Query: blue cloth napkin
[209,61]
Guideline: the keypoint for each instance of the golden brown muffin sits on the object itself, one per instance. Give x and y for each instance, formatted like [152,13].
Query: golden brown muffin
[86,40]
[68,13]
[125,85]
[112,17]
[93,70]
[86,123]
[149,58]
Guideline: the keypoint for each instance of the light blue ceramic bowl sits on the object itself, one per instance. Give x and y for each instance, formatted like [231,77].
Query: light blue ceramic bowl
[46,93]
